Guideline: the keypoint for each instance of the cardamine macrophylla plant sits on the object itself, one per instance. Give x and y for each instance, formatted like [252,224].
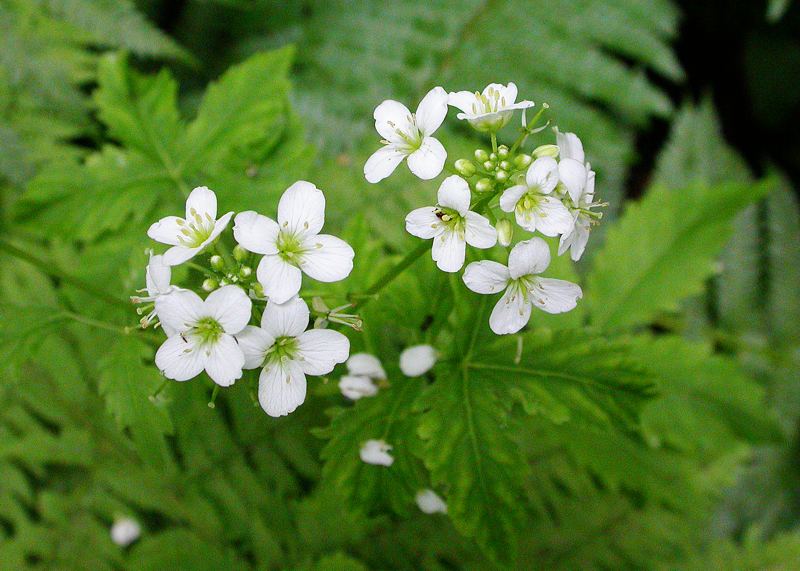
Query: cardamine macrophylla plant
[256,319]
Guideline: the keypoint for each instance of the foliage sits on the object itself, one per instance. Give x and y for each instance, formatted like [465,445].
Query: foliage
[649,428]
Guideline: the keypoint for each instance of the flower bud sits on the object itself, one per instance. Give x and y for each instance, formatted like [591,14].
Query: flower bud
[501,176]
[217,262]
[239,253]
[505,232]
[224,282]
[481,155]
[465,167]
[488,165]
[258,290]
[210,284]
[246,271]
[493,157]
[484,185]
[502,151]
[505,165]
[522,161]
[545,151]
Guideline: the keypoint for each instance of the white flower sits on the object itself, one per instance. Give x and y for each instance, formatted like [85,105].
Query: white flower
[157,277]
[430,502]
[362,369]
[125,531]
[491,110]
[523,287]
[532,203]
[417,360]
[203,334]
[576,239]
[189,236]
[287,353]
[409,135]
[452,225]
[376,452]
[293,245]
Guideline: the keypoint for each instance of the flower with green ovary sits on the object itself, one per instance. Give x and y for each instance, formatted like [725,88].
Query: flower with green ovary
[202,334]
[292,246]
[407,135]
[533,205]
[287,353]
[490,110]
[190,235]
[523,286]
[451,225]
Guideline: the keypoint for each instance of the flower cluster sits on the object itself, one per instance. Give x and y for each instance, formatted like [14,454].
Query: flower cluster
[218,334]
[549,191]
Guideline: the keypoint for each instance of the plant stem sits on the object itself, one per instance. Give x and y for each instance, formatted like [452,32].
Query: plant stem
[51,270]
[390,275]
[121,330]
[494,142]
[528,129]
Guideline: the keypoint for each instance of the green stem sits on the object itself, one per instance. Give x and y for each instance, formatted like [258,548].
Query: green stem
[528,130]
[363,298]
[494,142]
[53,271]
[120,330]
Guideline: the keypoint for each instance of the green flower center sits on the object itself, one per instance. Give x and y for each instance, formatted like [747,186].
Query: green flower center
[488,103]
[283,348]
[289,248]
[529,201]
[195,230]
[412,140]
[208,330]
[451,220]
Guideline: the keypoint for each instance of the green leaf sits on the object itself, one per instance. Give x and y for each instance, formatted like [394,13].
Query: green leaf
[127,381]
[662,250]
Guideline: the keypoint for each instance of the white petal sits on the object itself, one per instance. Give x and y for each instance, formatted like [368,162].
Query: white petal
[281,388]
[390,116]
[355,387]
[167,230]
[543,174]
[256,233]
[574,176]
[326,258]
[479,232]
[180,310]
[528,257]
[454,193]
[449,250]
[463,100]
[318,350]
[486,276]
[382,163]
[125,531]
[569,146]
[289,319]
[180,358]
[575,240]
[376,452]
[254,342]
[510,197]
[427,161]
[555,296]
[423,223]
[551,217]
[179,254]
[202,201]
[280,279]
[301,209]
[511,313]
[230,306]
[224,361]
[417,360]
[509,92]
[430,503]
[219,226]
[157,276]
[364,364]
[431,111]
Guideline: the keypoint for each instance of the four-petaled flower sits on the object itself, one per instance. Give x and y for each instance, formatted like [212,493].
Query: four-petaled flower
[376,452]
[523,287]
[203,334]
[293,245]
[189,236]
[491,110]
[287,353]
[409,135]
[363,369]
[533,204]
[452,225]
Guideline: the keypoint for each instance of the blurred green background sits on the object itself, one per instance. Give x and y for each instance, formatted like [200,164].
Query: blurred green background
[665,94]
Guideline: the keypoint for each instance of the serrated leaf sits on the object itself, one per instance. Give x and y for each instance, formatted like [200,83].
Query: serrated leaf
[662,250]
